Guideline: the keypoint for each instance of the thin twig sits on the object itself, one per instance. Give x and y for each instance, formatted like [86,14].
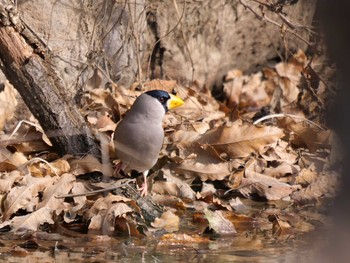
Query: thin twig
[27,122]
[267,19]
[283,115]
[98,191]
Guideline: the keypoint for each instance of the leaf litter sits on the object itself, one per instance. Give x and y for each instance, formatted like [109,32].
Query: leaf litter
[216,167]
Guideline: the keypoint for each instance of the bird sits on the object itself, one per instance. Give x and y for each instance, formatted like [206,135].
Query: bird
[138,137]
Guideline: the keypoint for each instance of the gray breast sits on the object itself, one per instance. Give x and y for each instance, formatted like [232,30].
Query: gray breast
[139,137]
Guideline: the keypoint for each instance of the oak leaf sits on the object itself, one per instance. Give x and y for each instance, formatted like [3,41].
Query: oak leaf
[60,187]
[25,196]
[30,222]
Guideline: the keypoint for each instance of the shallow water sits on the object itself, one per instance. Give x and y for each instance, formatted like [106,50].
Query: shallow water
[248,245]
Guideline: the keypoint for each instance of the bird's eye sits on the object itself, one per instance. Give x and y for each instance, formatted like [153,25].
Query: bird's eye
[161,99]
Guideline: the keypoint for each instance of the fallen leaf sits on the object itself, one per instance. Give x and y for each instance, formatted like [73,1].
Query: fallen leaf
[219,223]
[114,211]
[241,140]
[306,177]
[7,180]
[282,152]
[79,202]
[167,221]
[105,209]
[17,159]
[183,186]
[265,186]
[104,123]
[323,185]
[60,187]
[204,163]
[282,169]
[165,188]
[84,165]
[55,168]
[25,196]
[30,222]
[167,85]
[8,103]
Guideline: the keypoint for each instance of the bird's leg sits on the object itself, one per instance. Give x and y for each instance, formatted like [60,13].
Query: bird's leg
[118,168]
[144,187]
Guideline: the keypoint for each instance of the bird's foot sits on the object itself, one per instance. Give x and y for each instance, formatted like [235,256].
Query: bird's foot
[143,189]
[117,169]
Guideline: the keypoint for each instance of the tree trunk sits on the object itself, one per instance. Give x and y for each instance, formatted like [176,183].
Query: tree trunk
[180,40]
[26,65]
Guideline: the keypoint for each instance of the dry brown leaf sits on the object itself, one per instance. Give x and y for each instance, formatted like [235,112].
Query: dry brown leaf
[84,165]
[199,105]
[55,168]
[38,129]
[281,152]
[106,208]
[202,162]
[241,140]
[17,159]
[7,180]
[219,223]
[233,87]
[25,196]
[165,188]
[311,137]
[184,136]
[235,179]
[281,169]
[306,177]
[104,123]
[79,202]
[314,162]
[185,190]
[245,91]
[167,85]
[114,211]
[167,221]
[102,97]
[60,187]
[207,188]
[8,103]
[324,185]
[30,222]
[265,186]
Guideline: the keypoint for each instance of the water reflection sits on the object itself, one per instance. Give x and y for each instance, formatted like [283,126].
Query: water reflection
[249,245]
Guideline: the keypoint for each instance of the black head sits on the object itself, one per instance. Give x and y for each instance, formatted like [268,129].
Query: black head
[162,96]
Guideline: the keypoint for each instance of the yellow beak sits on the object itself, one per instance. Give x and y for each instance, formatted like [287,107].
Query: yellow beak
[174,102]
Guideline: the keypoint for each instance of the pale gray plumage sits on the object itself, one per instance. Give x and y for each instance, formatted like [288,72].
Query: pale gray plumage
[139,137]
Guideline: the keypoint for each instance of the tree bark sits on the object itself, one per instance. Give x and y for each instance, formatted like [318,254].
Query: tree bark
[26,64]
